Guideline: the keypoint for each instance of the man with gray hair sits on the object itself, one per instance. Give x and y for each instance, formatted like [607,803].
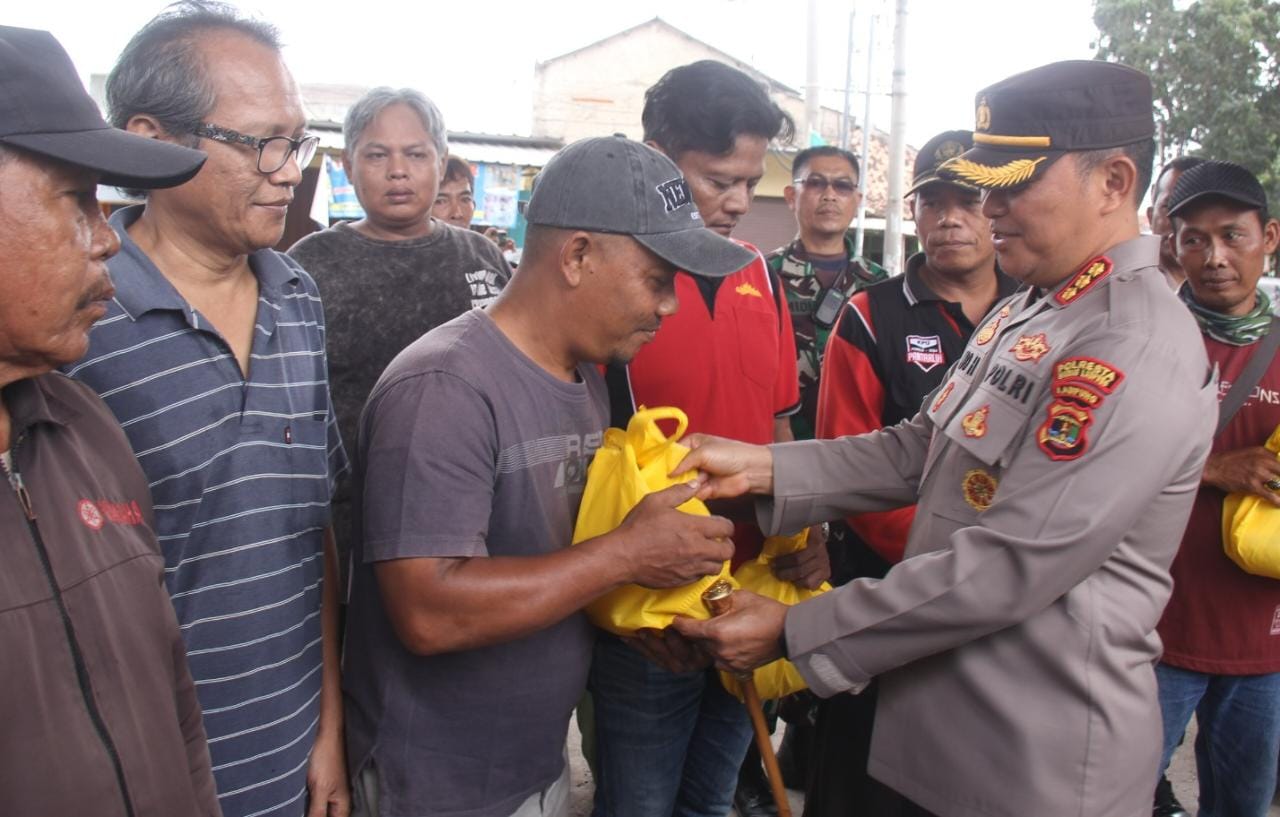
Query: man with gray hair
[212,357]
[397,272]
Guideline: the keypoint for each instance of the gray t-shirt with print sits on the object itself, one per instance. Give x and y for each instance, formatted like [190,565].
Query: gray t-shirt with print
[467,449]
[380,296]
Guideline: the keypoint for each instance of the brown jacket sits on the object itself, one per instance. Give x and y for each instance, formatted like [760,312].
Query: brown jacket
[98,713]
[1054,468]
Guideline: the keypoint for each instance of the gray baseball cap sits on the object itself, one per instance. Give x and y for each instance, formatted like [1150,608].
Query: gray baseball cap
[611,184]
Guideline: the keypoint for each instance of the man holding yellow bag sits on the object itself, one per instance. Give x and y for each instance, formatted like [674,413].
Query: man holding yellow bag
[466,647]
[1221,629]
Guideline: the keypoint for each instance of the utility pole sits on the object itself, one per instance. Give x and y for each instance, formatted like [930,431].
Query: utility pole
[897,142]
[812,123]
[845,135]
[865,157]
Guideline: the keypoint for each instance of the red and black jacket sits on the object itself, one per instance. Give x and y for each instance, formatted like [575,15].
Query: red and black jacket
[892,345]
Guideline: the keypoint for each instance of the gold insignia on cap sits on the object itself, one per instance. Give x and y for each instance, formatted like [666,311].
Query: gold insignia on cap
[947,150]
[979,489]
[1005,175]
[984,115]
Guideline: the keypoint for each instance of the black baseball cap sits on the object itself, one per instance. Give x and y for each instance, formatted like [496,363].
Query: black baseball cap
[1027,122]
[611,184]
[1214,179]
[938,150]
[45,109]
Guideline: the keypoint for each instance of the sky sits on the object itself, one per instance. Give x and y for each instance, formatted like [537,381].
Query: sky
[476,59]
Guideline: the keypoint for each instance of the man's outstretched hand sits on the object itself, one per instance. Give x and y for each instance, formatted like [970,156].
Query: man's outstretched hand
[727,468]
[746,637]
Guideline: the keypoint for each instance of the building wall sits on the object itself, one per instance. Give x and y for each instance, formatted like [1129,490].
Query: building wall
[599,90]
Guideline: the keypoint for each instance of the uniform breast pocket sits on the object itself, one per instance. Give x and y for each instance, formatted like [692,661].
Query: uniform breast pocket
[988,426]
[757,338]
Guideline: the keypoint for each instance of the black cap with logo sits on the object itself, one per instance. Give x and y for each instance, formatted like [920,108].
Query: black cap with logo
[610,184]
[45,109]
[1027,122]
[937,151]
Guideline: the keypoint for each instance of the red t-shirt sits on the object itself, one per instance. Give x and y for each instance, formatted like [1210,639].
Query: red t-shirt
[731,366]
[1221,620]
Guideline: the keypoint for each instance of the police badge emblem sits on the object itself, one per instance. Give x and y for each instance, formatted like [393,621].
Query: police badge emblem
[988,330]
[982,121]
[1031,347]
[979,489]
[1063,436]
[974,424]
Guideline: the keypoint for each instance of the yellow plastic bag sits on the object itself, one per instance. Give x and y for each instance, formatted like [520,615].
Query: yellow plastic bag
[1251,528]
[780,678]
[628,466]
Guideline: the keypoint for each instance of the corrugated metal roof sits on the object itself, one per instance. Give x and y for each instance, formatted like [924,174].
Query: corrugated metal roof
[477,148]
[498,154]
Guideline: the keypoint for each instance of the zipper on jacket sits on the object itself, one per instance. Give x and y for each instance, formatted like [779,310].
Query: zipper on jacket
[77,655]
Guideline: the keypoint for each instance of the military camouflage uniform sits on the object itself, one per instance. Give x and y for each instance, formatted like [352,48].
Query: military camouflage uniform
[804,287]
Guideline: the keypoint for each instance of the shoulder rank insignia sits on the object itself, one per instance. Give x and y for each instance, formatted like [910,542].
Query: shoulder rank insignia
[747,289]
[988,330]
[1031,347]
[975,422]
[943,395]
[1063,435]
[979,489]
[1084,280]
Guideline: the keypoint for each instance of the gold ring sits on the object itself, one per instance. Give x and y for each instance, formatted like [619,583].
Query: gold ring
[1273,484]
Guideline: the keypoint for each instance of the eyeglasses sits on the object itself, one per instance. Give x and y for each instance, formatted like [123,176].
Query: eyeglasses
[273,151]
[819,184]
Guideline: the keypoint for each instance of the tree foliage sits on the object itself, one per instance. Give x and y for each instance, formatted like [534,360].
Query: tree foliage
[1215,67]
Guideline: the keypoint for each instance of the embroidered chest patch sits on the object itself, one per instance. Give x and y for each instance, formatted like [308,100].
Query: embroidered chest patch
[974,423]
[925,351]
[979,489]
[989,329]
[1030,348]
[943,395]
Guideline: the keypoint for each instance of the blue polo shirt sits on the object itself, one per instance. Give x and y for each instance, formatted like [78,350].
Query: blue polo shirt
[241,472]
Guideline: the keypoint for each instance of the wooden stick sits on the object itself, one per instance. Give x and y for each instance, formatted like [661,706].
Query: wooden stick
[717,600]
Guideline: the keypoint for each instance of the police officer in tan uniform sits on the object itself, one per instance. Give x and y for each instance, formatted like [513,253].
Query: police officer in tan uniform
[1054,470]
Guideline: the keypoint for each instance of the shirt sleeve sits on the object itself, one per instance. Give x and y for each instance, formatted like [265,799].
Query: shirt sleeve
[430,469]
[851,401]
[339,462]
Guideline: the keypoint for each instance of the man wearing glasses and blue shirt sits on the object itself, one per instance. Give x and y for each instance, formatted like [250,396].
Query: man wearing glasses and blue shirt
[212,356]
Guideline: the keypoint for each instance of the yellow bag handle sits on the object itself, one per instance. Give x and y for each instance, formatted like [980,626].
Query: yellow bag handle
[646,436]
